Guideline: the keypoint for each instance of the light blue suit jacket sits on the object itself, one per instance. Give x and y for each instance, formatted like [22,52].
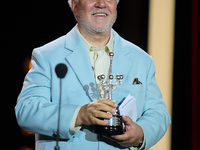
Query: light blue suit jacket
[37,104]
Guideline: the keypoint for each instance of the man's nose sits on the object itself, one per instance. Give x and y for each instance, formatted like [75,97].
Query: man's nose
[100,3]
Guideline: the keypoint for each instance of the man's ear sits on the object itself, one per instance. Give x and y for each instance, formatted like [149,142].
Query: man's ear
[74,7]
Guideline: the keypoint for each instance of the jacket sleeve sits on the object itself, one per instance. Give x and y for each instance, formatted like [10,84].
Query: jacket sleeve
[35,112]
[155,118]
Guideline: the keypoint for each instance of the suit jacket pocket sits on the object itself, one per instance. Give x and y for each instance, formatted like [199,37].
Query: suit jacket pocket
[138,91]
[134,88]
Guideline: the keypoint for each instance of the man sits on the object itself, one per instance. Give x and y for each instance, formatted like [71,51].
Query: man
[85,50]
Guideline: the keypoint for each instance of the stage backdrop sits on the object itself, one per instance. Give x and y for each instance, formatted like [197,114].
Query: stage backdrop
[161,47]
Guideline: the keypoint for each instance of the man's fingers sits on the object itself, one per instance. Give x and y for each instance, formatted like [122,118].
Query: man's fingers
[92,112]
[108,102]
[121,138]
[99,122]
[106,108]
[104,105]
[100,114]
[126,120]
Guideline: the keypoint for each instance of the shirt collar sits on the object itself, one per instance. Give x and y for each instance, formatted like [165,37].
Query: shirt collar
[109,45]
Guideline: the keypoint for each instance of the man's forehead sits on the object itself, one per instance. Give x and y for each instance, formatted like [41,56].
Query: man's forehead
[70,1]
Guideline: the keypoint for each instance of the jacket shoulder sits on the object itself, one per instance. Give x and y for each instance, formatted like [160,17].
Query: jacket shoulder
[52,46]
[60,45]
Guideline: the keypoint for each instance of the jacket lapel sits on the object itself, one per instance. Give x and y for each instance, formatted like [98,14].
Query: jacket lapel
[80,63]
[121,64]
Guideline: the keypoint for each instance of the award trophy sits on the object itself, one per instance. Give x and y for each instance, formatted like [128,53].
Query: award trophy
[114,125]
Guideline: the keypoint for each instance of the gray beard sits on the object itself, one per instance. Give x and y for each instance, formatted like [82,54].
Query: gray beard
[93,29]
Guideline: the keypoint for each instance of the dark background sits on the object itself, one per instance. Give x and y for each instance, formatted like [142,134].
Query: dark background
[26,25]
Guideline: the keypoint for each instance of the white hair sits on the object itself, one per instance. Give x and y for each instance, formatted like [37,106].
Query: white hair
[70,2]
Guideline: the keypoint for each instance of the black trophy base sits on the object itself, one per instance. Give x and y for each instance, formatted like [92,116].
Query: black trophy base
[110,130]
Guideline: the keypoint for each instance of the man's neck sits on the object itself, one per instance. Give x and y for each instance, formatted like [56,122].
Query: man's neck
[98,40]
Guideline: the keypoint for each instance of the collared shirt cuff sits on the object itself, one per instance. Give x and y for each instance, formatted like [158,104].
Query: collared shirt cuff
[72,128]
[142,146]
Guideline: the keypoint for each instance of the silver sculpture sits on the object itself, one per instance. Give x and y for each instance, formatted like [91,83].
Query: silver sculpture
[114,125]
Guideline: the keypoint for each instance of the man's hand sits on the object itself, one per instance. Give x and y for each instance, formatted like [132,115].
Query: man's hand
[132,135]
[94,112]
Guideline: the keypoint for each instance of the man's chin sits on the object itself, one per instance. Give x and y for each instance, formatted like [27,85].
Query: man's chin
[101,30]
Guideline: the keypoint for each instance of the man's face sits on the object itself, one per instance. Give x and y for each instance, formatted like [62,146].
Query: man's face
[95,16]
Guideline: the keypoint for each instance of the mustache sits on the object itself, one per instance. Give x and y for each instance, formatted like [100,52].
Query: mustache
[104,11]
